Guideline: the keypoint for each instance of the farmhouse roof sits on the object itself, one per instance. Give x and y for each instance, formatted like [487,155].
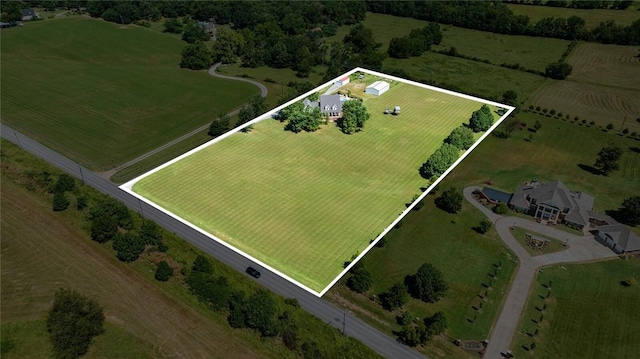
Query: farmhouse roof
[344,78]
[497,195]
[378,85]
[309,103]
[330,103]
[622,236]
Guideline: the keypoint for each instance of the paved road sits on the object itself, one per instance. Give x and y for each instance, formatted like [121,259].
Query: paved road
[579,249]
[322,309]
[212,72]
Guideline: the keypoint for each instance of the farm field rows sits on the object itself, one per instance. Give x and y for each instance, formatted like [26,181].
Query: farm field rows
[602,88]
[305,203]
[590,313]
[592,17]
[102,105]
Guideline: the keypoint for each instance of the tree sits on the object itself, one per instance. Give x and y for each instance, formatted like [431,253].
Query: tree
[500,208]
[360,40]
[173,26]
[607,160]
[128,246]
[537,126]
[193,32]
[196,56]
[164,271]
[481,120]
[395,297]
[461,137]
[12,11]
[360,281]
[72,322]
[107,206]
[439,161]
[103,228]
[219,126]
[60,202]
[450,201]
[484,226]
[64,183]
[436,324]
[427,284]
[201,265]
[251,110]
[558,70]
[81,202]
[150,233]
[354,115]
[227,46]
[260,311]
[630,211]
[510,97]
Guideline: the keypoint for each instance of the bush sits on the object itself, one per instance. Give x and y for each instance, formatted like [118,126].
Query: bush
[625,131]
[500,208]
[270,80]
[484,226]
[360,281]
[60,202]
[538,108]
[64,183]
[394,298]
[129,246]
[81,202]
[427,284]
[201,265]
[610,126]
[163,272]
[450,201]
[552,112]
[545,110]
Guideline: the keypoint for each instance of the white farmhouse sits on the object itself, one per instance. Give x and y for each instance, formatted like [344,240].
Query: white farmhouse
[377,88]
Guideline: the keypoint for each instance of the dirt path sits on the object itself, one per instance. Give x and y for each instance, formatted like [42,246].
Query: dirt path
[212,71]
[41,253]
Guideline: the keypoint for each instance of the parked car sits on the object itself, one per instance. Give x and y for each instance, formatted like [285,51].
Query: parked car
[253,272]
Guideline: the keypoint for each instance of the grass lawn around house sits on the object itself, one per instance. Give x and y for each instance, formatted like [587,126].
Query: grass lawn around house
[590,313]
[304,203]
[592,17]
[102,105]
[553,245]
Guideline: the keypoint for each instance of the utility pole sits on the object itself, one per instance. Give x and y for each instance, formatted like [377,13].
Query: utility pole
[623,121]
[140,204]
[344,321]
[81,174]
[15,133]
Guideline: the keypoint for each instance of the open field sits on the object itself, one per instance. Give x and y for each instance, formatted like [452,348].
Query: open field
[305,203]
[602,88]
[552,246]
[43,251]
[471,76]
[592,17]
[530,52]
[103,105]
[590,313]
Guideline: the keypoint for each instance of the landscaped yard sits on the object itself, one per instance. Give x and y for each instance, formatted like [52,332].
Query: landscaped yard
[552,245]
[305,203]
[591,312]
[102,93]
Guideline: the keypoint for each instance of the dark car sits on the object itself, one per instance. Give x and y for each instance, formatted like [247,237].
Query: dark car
[253,272]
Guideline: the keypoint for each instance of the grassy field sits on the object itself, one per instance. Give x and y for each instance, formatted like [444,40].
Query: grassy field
[43,251]
[602,88]
[304,203]
[102,105]
[589,314]
[592,17]
[552,246]
[471,76]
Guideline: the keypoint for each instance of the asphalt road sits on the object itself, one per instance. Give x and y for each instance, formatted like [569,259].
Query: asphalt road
[322,309]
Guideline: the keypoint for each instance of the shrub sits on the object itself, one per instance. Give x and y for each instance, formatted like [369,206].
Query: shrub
[500,208]
[60,202]
[395,297]
[530,107]
[270,80]
[360,281]
[484,226]
[427,284]
[610,126]
[64,183]
[576,118]
[163,271]
[129,246]
[552,112]
[81,202]
[634,134]
[559,114]
[450,201]
[591,123]
[625,131]
[538,108]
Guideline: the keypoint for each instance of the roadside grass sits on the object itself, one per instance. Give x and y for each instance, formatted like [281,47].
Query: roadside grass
[490,81]
[102,105]
[31,340]
[602,88]
[589,314]
[553,245]
[592,17]
[305,203]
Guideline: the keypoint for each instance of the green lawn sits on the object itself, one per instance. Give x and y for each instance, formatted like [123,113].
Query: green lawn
[589,314]
[592,17]
[471,76]
[31,340]
[552,246]
[305,203]
[102,93]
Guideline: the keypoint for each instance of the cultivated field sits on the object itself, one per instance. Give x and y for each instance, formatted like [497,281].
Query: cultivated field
[602,88]
[305,203]
[592,17]
[103,105]
[590,312]
[42,252]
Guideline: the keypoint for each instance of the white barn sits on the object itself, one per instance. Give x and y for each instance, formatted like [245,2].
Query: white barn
[343,81]
[377,88]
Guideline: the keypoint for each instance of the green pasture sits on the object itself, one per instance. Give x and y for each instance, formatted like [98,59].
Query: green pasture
[590,312]
[473,77]
[102,93]
[305,203]
[592,17]
[530,52]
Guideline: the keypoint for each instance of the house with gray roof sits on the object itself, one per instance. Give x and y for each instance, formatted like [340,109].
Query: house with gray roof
[331,106]
[619,238]
[553,202]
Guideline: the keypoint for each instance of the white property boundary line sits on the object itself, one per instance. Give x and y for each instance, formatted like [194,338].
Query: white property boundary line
[127,187]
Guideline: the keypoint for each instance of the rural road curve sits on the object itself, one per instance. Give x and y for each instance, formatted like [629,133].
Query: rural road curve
[329,313]
[579,249]
[212,71]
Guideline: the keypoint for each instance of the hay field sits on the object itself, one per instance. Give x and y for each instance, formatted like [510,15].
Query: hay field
[602,88]
[305,203]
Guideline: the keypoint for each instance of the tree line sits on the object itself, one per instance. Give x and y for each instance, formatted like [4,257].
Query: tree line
[578,4]
[496,17]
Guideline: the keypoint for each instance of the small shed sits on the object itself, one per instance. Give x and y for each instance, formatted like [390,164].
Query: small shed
[343,81]
[377,88]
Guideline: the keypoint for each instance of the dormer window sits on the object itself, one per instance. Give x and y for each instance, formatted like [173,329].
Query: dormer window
[326,108]
[335,108]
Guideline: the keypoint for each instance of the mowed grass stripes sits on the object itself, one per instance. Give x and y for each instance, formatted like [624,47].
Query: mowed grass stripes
[305,203]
